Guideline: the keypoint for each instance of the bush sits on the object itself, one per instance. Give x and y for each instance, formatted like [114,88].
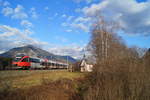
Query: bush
[5,63]
[121,79]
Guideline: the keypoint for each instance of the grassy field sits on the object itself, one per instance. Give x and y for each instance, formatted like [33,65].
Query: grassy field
[39,84]
[29,78]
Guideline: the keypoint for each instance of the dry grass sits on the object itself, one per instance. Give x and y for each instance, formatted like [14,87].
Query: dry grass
[28,78]
[60,89]
[39,85]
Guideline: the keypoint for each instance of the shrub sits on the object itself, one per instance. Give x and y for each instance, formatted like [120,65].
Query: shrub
[121,79]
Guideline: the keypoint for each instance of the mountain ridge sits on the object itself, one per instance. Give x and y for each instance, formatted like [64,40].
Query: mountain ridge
[31,50]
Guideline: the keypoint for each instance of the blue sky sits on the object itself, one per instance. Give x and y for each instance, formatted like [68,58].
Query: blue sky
[47,26]
[63,26]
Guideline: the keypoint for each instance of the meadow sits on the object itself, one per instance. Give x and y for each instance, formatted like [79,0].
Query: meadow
[39,84]
[29,78]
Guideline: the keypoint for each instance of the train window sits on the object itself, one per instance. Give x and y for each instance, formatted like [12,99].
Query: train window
[25,60]
[52,64]
[34,60]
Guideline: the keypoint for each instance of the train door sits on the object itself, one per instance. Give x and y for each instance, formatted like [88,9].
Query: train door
[24,63]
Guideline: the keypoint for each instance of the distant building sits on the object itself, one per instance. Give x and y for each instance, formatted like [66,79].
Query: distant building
[85,66]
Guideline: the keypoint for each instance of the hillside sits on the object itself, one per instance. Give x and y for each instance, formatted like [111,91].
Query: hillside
[37,52]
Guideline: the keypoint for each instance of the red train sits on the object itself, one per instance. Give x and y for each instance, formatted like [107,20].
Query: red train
[27,62]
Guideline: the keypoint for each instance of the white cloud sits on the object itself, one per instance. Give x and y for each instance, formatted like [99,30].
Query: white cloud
[71,50]
[64,16]
[19,13]
[95,8]
[79,23]
[7,31]
[26,24]
[70,18]
[7,11]
[33,13]
[12,37]
[16,13]
[83,19]
[28,31]
[80,26]
[76,24]
[132,15]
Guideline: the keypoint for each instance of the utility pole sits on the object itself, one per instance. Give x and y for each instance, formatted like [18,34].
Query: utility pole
[67,63]
[51,62]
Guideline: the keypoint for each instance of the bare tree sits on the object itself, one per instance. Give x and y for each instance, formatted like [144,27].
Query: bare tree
[119,73]
[104,42]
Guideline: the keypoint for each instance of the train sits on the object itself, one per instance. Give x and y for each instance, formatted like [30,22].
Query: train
[28,62]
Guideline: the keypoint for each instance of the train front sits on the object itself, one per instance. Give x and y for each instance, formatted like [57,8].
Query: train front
[15,62]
